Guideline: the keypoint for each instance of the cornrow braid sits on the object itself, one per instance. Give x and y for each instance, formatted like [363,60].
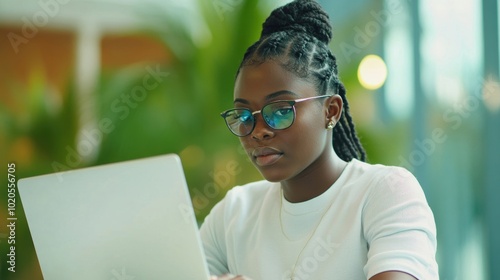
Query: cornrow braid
[297,36]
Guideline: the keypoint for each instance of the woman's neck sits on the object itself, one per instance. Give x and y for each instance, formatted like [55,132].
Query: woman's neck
[315,179]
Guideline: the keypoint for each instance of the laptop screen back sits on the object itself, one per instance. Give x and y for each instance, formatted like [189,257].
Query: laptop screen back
[129,220]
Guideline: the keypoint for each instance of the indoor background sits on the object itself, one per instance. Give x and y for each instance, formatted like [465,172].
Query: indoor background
[90,82]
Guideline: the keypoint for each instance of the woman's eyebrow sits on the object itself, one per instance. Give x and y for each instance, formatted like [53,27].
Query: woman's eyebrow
[279,93]
[241,100]
[268,97]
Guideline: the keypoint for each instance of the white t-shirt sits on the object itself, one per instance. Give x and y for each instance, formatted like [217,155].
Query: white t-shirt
[375,219]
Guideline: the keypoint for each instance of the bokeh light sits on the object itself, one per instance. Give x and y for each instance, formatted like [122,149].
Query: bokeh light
[372,72]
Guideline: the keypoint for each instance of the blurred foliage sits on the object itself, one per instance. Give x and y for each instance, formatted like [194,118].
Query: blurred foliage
[181,114]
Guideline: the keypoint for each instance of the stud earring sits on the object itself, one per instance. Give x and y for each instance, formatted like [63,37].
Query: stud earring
[331,124]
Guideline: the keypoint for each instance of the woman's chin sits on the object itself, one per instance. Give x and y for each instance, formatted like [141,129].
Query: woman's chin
[272,175]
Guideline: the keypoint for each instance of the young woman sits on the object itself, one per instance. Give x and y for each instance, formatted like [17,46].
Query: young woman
[321,212]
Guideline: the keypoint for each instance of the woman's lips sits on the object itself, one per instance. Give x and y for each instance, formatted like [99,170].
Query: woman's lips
[265,156]
[267,160]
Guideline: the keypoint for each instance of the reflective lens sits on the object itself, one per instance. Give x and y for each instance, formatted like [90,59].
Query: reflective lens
[240,121]
[277,115]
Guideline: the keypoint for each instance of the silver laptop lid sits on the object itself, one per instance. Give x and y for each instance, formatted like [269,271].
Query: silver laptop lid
[128,220]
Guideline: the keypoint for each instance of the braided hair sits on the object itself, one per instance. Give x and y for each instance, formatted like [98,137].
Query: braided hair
[297,35]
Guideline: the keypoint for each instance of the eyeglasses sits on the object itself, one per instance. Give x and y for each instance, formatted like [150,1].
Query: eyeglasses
[277,115]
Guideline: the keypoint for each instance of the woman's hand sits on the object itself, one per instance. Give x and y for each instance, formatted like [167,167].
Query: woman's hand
[229,277]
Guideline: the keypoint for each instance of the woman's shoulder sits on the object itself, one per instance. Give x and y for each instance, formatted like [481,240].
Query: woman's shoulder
[251,192]
[244,200]
[379,172]
[370,168]
[381,178]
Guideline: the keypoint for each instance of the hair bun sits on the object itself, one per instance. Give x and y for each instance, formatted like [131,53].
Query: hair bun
[305,16]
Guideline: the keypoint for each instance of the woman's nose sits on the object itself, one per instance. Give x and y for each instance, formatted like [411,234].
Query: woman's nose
[261,131]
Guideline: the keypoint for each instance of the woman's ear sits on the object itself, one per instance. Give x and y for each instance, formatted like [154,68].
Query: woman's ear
[333,108]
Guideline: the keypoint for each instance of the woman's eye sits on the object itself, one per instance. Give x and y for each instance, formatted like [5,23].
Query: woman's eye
[282,111]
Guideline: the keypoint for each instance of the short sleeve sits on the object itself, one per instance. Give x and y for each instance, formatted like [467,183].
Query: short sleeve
[213,239]
[399,227]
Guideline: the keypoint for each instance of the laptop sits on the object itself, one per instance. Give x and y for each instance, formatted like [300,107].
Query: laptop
[121,221]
